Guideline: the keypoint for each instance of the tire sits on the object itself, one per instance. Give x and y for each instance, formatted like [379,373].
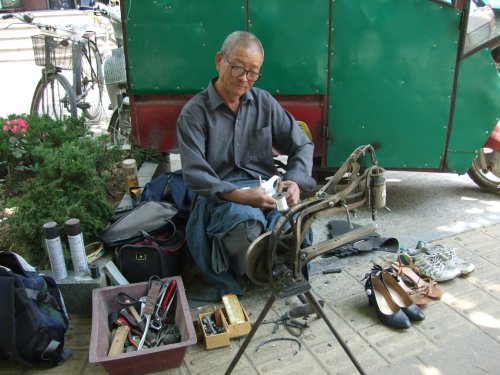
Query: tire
[54,97]
[120,132]
[489,179]
[91,81]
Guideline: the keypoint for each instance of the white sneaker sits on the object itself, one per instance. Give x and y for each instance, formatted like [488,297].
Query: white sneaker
[451,259]
[430,264]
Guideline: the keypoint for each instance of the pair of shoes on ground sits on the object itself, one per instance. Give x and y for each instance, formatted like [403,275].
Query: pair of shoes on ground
[436,261]
[392,304]
[420,290]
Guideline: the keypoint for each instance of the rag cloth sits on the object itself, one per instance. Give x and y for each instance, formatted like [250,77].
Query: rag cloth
[372,242]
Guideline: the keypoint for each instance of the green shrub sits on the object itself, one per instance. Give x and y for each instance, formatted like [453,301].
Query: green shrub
[67,185]
[59,172]
[54,170]
[21,134]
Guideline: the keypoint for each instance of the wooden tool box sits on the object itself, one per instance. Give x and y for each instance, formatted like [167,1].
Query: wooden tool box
[232,317]
[238,322]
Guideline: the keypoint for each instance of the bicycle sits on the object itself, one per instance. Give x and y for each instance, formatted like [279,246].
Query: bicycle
[72,50]
[115,75]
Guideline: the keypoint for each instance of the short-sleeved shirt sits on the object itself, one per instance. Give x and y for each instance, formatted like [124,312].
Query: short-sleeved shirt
[215,142]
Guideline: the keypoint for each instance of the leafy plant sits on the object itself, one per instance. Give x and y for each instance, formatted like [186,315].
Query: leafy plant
[61,172]
[20,135]
[12,150]
[66,186]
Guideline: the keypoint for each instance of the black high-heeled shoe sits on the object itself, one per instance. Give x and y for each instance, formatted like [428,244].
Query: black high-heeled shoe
[400,297]
[386,309]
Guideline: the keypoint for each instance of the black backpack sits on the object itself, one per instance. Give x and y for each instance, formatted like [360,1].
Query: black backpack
[33,317]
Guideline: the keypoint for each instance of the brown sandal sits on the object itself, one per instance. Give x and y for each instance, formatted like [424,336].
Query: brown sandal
[418,284]
[418,297]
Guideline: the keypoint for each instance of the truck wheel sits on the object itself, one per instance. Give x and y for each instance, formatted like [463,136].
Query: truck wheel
[486,175]
[120,131]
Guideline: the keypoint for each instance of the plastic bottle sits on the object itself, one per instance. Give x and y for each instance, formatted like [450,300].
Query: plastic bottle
[77,247]
[54,249]
[129,167]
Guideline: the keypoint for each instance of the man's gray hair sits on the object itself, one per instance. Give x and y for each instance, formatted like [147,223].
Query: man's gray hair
[240,39]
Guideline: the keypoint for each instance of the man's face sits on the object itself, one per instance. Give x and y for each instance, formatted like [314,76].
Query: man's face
[250,59]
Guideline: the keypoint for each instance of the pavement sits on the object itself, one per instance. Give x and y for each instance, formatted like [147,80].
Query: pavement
[460,334]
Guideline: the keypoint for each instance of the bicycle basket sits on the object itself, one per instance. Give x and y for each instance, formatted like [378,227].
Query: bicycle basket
[114,67]
[52,51]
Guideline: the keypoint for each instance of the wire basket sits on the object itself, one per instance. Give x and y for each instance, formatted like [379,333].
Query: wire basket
[114,67]
[52,51]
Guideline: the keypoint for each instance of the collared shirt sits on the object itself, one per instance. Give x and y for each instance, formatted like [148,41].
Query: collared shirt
[215,142]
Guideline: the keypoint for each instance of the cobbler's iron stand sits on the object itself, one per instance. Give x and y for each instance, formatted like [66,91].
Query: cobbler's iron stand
[278,258]
[305,289]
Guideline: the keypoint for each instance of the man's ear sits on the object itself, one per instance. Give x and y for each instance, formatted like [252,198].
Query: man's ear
[218,59]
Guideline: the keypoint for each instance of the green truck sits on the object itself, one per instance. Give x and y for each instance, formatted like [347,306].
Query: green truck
[410,77]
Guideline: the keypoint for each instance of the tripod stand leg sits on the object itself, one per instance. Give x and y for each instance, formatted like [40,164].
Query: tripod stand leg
[302,299]
[319,311]
[254,329]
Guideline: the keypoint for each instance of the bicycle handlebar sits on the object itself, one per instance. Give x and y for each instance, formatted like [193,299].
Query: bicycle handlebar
[24,17]
[29,19]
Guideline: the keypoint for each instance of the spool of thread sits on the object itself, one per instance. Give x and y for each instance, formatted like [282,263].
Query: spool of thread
[281,204]
[54,249]
[77,247]
[94,271]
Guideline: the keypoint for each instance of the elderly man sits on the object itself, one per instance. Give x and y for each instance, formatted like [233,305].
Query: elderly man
[226,135]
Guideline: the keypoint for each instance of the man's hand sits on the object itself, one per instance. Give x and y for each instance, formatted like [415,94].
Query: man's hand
[292,192]
[255,197]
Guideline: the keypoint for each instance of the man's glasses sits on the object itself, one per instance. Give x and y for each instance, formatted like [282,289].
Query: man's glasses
[238,71]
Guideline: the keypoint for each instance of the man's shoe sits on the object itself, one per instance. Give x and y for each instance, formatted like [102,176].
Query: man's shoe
[451,259]
[430,264]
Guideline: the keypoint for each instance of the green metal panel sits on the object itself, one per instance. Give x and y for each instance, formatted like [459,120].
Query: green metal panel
[391,80]
[477,109]
[171,44]
[295,38]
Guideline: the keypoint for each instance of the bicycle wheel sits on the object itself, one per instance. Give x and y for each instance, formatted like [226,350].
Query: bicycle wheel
[54,96]
[90,83]
[120,131]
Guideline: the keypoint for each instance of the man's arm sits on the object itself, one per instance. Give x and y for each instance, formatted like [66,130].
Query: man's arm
[198,175]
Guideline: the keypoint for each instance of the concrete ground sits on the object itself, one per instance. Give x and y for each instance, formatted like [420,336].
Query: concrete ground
[460,335]
[461,332]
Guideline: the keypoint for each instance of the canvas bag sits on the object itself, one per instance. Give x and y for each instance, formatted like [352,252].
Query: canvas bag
[150,217]
[33,317]
[164,254]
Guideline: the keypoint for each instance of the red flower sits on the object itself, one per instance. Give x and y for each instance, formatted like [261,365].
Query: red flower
[16,125]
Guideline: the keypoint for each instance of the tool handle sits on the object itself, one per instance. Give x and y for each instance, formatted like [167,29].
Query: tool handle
[168,295]
[153,294]
[129,318]
[135,314]
[140,323]
[167,309]
[332,270]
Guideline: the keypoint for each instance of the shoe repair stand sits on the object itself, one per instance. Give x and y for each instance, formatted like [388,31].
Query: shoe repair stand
[305,290]
[279,258]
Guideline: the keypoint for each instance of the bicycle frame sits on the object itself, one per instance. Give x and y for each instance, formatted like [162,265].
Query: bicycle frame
[86,69]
